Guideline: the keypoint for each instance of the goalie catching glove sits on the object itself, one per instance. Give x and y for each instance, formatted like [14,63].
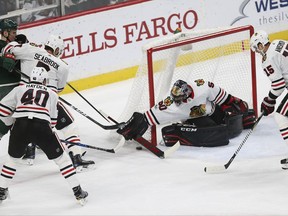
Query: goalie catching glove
[135,127]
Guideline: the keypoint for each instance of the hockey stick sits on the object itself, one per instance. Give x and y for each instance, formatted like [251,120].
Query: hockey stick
[156,151]
[77,92]
[113,150]
[152,148]
[105,127]
[215,169]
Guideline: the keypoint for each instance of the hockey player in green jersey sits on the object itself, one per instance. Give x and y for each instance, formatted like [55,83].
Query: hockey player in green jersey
[8,78]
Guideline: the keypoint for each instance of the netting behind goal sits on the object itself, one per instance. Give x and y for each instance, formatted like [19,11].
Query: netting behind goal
[222,56]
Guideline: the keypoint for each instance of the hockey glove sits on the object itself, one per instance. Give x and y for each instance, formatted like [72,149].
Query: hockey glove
[267,106]
[135,127]
[249,119]
[8,61]
[21,39]
[234,105]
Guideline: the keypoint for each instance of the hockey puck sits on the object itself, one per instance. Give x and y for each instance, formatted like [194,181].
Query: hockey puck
[139,148]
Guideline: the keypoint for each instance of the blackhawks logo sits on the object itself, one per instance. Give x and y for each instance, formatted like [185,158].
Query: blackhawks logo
[168,101]
[198,111]
[199,82]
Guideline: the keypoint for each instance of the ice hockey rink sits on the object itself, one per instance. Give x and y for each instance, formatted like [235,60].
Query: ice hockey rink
[133,182]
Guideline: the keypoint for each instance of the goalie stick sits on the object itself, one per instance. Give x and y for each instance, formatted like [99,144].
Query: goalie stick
[148,145]
[155,150]
[113,150]
[216,169]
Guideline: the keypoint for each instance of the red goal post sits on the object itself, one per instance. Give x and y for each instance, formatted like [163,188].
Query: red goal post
[220,55]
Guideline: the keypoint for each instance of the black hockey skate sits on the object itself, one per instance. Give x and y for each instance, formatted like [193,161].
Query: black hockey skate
[29,155]
[80,195]
[284,163]
[3,194]
[80,164]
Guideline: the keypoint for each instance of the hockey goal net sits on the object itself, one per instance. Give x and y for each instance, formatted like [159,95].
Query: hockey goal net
[222,56]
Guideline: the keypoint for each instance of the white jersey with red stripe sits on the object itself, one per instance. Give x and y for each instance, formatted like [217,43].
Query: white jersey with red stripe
[32,101]
[31,55]
[201,102]
[275,66]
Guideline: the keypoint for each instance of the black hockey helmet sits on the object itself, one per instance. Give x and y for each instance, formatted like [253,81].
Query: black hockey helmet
[8,24]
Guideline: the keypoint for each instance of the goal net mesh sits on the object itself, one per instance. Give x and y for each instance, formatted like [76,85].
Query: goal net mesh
[222,56]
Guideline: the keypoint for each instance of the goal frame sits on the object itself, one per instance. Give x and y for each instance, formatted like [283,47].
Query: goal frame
[152,50]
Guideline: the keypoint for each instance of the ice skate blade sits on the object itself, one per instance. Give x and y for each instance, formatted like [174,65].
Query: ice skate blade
[82,202]
[29,162]
[80,169]
[284,163]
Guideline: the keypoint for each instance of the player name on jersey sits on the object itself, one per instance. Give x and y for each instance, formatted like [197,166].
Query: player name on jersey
[46,60]
[36,86]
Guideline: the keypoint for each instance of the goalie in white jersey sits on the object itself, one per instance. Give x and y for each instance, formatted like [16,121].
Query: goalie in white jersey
[275,66]
[209,116]
[31,55]
[34,108]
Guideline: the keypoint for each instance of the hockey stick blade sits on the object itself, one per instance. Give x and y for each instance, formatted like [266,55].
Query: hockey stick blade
[171,150]
[113,150]
[215,169]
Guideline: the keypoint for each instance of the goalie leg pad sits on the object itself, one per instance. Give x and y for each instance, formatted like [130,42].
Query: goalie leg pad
[234,125]
[190,135]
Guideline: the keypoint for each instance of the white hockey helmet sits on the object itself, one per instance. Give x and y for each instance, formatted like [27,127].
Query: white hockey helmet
[258,37]
[56,43]
[39,75]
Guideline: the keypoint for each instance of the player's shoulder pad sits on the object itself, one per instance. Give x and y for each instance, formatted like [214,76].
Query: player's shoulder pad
[9,46]
[13,43]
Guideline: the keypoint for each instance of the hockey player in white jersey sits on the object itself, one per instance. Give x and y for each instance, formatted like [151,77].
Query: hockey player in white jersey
[31,55]
[34,108]
[208,116]
[275,66]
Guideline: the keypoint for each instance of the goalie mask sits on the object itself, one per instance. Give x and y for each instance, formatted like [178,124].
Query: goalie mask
[56,44]
[258,40]
[39,75]
[180,91]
